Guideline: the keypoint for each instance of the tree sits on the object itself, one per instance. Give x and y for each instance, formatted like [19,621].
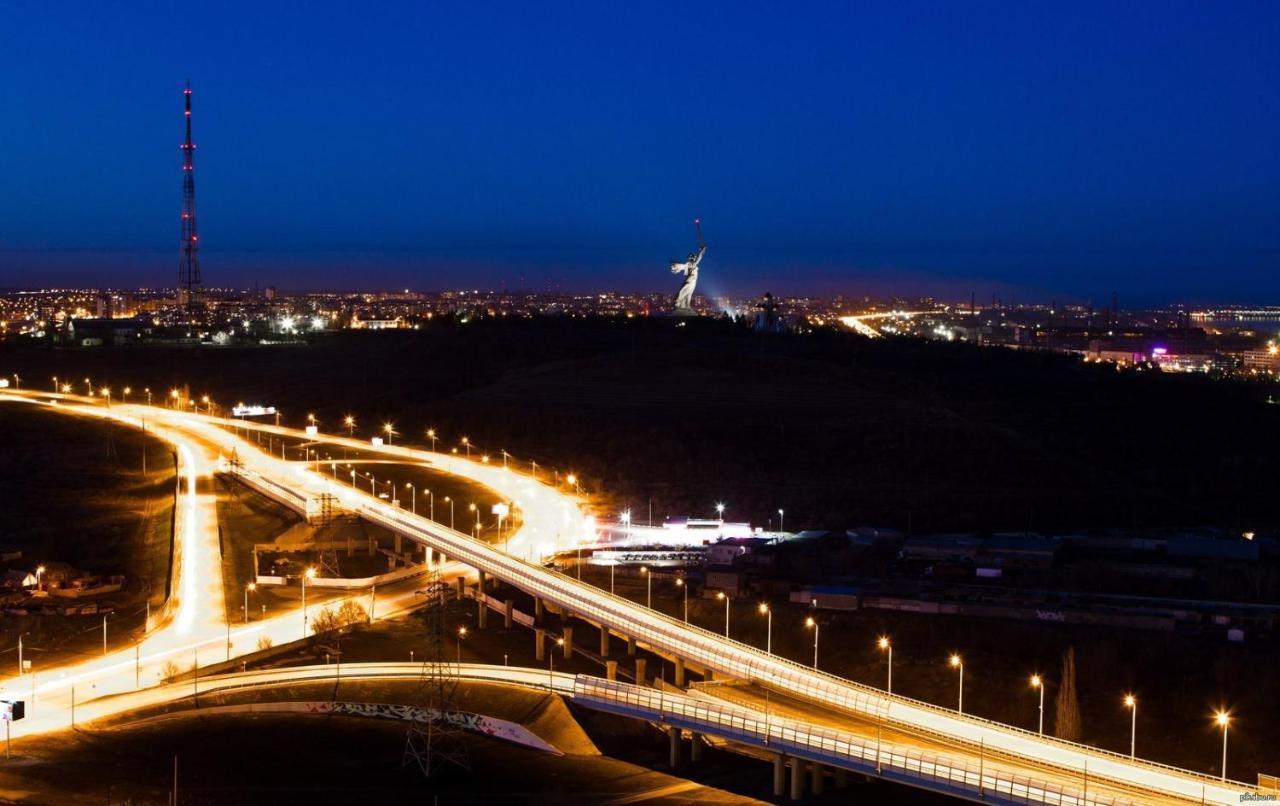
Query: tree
[1067,724]
[347,614]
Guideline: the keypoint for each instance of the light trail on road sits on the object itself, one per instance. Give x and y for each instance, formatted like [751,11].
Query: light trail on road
[553,520]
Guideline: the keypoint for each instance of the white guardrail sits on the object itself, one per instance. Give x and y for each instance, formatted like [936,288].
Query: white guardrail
[749,663]
[834,747]
[725,656]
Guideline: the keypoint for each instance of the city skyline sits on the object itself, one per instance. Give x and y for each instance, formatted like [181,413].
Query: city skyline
[1028,154]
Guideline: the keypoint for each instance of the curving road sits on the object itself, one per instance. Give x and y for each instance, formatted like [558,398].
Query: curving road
[553,520]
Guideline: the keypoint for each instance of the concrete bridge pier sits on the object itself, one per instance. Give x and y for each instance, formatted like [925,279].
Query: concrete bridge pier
[797,778]
[611,670]
[537,610]
[399,543]
[679,676]
[568,642]
[842,778]
[779,775]
[509,608]
[461,583]
[675,743]
[815,770]
[481,586]
[540,644]
[695,747]
[483,610]
[604,641]
[631,646]
[428,555]
[640,675]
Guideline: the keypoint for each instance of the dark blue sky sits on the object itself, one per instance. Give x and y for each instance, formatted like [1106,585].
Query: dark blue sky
[1057,149]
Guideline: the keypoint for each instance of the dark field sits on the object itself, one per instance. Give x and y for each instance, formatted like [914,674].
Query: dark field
[72,491]
[836,429]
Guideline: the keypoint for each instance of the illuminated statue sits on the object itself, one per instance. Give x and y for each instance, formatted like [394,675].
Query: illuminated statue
[689,268]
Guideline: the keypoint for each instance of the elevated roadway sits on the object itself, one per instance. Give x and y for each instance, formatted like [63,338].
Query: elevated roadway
[553,521]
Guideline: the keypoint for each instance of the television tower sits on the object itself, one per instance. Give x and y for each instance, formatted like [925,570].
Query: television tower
[189,289]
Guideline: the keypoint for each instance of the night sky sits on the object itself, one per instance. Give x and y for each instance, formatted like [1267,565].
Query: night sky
[1056,150]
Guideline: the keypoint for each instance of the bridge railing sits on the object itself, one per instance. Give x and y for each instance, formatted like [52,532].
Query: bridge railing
[750,663]
[731,657]
[939,772]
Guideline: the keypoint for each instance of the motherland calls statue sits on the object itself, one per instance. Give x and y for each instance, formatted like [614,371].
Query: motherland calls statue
[689,268]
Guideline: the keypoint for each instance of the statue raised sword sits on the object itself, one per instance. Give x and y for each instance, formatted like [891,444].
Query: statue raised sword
[689,268]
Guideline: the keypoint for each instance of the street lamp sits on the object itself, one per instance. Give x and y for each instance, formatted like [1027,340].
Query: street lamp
[1224,721]
[431,435]
[781,526]
[644,569]
[725,597]
[390,431]
[720,510]
[252,586]
[768,640]
[811,622]
[680,584]
[450,500]
[413,497]
[466,443]
[957,663]
[1038,682]
[551,659]
[350,423]
[148,391]
[40,577]
[885,646]
[462,633]
[310,573]
[1131,702]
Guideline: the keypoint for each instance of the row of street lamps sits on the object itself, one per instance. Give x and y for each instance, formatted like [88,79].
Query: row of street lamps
[955,661]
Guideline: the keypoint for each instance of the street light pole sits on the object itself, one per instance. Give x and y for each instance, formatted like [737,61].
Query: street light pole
[885,644]
[252,586]
[310,573]
[1037,682]
[768,640]
[1224,719]
[811,622]
[959,664]
[1132,702]
[725,596]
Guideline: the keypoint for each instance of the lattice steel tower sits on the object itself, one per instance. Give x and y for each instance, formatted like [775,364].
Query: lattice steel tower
[189,262]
